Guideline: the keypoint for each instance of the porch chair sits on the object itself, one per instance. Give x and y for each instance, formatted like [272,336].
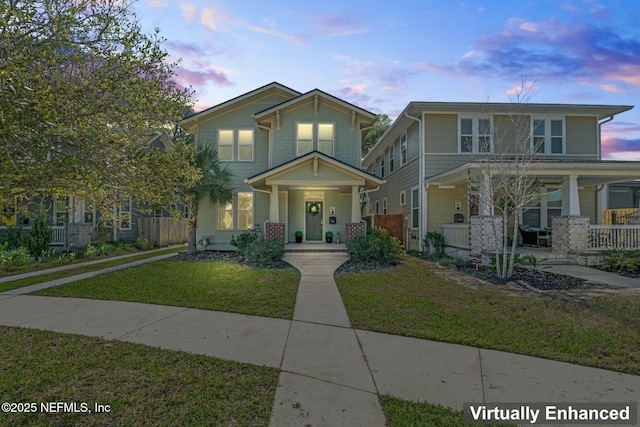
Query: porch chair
[532,237]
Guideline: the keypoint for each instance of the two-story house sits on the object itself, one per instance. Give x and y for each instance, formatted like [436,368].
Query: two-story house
[429,153]
[296,160]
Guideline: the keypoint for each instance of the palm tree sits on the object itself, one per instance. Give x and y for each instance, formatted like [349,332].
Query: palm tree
[213,185]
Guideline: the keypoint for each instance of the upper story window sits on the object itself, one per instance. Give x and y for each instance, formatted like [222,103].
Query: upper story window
[403,149]
[227,145]
[315,136]
[391,156]
[382,166]
[547,136]
[373,167]
[475,135]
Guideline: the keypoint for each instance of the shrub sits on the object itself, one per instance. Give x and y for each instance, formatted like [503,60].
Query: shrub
[16,258]
[622,261]
[91,251]
[453,263]
[141,243]
[38,238]
[433,243]
[12,237]
[255,248]
[376,246]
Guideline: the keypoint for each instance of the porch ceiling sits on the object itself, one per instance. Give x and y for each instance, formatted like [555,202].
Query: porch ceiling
[588,172]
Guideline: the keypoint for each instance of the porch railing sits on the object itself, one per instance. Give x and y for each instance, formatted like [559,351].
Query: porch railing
[619,216]
[59,235]
[456,235]
[614,236]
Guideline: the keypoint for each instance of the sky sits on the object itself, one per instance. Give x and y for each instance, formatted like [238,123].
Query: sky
[382,55]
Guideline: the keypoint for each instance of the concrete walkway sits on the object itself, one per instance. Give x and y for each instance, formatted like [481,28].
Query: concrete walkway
[331,374]
[591,275]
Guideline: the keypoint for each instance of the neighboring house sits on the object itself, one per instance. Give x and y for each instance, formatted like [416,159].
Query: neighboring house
[75,225]
[296,160]
[428,153]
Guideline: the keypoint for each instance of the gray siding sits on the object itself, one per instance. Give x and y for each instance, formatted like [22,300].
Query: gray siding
[440,203]
[582,136]
[346,140]
[441,133]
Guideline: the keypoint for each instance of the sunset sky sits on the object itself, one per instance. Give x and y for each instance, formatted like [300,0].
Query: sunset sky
[382,55]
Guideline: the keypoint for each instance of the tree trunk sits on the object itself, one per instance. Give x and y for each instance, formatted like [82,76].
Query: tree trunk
[191,241]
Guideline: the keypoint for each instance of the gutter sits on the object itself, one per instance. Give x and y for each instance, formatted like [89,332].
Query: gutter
[600,135]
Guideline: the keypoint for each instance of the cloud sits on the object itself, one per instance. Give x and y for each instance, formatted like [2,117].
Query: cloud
[337,25]
[588,54]
[208,19]
[156,3]
[185,49]
[199,74]
[388,77]
[620,148]
[188,11]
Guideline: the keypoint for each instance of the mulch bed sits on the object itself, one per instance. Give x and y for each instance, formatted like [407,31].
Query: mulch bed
[529,278]
[228,256]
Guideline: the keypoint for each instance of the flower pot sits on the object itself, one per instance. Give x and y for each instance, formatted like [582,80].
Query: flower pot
[329,239]
[298,239]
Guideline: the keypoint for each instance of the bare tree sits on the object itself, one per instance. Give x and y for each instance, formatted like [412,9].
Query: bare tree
[506,178]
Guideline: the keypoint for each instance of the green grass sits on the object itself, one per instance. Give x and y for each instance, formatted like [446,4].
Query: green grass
[403,413]
[142,385]
[412,300]
[222,286]
[15,284]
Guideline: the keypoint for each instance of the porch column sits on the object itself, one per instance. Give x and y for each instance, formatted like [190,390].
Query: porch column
[485,199]
[274,205]
[356,215]
[570,198]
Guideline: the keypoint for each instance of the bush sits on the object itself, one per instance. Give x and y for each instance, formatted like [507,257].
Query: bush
[91,251]
[255,248]
[376,246]
[453,263]
[141,243]
[38,238]
[15,258]
[433,244]
[12,237]
[622,261]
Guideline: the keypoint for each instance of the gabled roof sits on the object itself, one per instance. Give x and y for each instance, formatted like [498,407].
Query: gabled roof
[273,87]
[365,116]
[368,179]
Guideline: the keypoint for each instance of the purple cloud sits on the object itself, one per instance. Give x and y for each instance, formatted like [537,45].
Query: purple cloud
[591,55]
[188,77]
[620,148]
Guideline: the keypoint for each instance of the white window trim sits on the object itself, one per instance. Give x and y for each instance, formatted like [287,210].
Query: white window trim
[403,198]
[333,137]
[377,207]
[382,165]
[475,135]
[130,212]
[373,167]
[238,210]
[417,226]
[406,149]
[233,141]
[253,143]
[392,158]
[384,206]
[547,135]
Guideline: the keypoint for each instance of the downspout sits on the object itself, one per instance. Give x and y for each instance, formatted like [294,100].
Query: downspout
[600,135]
[270,143]
[422,199]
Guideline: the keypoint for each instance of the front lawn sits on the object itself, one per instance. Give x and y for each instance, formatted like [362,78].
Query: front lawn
[222,286]
[80,269]
[412,300]
[141,385]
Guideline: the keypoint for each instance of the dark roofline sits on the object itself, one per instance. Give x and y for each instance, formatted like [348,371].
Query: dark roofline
[293,100]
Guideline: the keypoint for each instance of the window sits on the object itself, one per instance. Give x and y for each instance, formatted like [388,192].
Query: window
[384,206]
[475,135]
[382,166]
[325,138]
[225,145]
[124,214]
[373,167]
[391,150]
[61,211]
[547,136]
[245,145]
[245,211]
[225,216]
[377,207]
[403,149]
[403,198]
[415,208]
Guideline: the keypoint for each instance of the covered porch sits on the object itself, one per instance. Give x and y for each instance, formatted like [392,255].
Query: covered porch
[565,220]
[314,198]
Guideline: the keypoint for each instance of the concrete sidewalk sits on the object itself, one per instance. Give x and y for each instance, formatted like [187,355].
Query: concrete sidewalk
[331,374]
[591,275]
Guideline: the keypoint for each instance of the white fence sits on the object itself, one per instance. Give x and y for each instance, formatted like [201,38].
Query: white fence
[614,236]
[456,235]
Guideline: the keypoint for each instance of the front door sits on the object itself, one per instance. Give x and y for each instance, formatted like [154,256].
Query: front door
[314,221]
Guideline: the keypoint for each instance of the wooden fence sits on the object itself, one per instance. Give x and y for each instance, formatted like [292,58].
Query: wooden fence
[618,216]
[164,231]
[394,224]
